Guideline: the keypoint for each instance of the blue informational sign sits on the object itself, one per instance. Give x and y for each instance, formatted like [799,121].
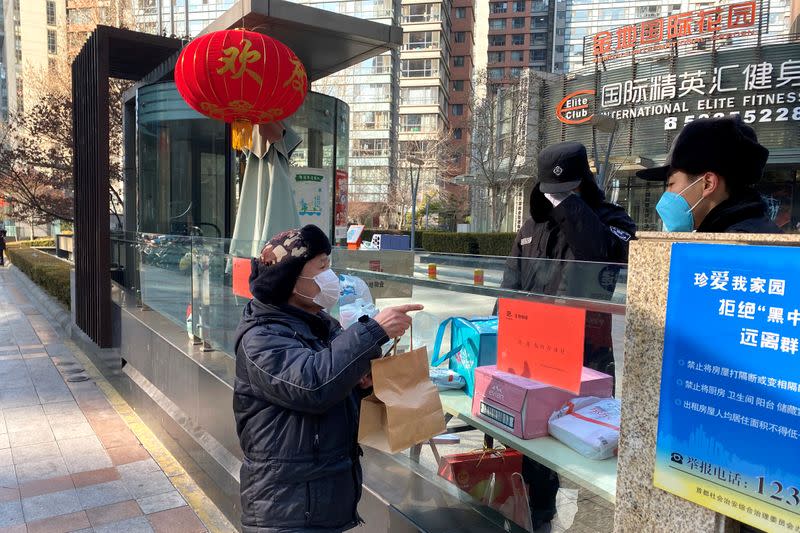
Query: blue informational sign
[729,417]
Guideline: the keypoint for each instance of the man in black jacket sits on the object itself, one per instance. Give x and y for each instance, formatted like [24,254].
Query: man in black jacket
[573,224]
[299,382]
[710,173]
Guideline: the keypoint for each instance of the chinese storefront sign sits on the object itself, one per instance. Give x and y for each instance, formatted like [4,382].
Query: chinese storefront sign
[312,194]
[738,19]
[729,416]
[542,342]
[762,92]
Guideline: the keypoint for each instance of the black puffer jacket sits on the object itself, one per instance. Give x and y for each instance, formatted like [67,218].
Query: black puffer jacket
[585,228]
[296,403]
[744,212]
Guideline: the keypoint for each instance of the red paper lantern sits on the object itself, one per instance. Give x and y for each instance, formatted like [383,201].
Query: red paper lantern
[241,77]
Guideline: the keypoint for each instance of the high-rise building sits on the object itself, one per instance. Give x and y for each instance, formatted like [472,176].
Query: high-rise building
[525,34]
[405,101]
[181,18]
[372,90]
[426,63]
[33,36]
[462,31]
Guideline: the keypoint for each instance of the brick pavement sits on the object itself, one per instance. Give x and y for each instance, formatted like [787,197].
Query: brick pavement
[68,460]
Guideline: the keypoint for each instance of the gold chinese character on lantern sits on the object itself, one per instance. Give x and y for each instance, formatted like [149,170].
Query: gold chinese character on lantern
[297,79]
[236,60]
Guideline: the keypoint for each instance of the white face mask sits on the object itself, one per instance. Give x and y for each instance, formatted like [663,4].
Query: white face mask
[328,283]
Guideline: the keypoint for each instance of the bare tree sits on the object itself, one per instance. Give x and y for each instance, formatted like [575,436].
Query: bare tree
[502,156]
[435,155]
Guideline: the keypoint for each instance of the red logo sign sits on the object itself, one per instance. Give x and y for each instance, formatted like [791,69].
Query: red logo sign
[575,108]
[721,22]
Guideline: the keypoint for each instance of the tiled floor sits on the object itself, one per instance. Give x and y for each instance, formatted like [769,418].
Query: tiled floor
[68,461]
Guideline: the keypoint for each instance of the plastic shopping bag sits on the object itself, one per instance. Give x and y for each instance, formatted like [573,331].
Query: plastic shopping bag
[446,379]
[590,426]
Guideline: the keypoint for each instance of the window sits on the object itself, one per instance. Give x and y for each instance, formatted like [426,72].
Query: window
[539,23]
[419,95]
[370,147]
[496,57]
[560,48]
[518,39]
[518,23]
[458,61]
[372,92]
[51,13]
[420,40]
[496,73]
[418,123]
[497,24]
[460,37]
[539,5]
[519,6]
[458,134]
[538,38]
[420,68]
[421,13]
[52,42]
[517,56]
[376,65]
[516,72]
[497,40]
[461,12]
[499,7]
[457,110]
[538,55]
[647,12]
[20,95]
[458,85]
[371,120]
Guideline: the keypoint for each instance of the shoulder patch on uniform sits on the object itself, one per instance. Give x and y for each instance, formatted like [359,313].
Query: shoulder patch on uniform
[526,240]
[624,235]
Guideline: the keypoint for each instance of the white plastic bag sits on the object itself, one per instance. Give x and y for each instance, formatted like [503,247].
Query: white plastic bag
[590,426]
[352,288]
[350,313]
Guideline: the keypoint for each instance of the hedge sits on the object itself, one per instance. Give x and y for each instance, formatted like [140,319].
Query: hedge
[469,243]
[47,242]
[48,272]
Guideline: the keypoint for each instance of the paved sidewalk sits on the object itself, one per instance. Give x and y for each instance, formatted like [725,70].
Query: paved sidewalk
[68,460]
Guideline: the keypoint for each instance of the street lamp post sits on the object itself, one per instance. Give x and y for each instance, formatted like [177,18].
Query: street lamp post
[414,190]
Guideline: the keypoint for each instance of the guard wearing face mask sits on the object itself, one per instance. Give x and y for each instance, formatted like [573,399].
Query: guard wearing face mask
[573,224]
[710,173]
[299,381]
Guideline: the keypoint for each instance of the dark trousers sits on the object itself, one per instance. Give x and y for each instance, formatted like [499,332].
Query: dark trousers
[544,485]
[2,259]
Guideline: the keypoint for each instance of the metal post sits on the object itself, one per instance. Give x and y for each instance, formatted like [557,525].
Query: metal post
[414,189]
[604,173]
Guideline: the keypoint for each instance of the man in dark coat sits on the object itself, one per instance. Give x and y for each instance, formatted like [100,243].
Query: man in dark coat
[571,225]
[710,173]
[299,382]
[2,247]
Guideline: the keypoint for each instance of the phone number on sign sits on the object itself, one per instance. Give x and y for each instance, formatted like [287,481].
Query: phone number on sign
[782,114]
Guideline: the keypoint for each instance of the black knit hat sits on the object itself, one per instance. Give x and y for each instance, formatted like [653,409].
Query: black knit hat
[274,274]
[726,146]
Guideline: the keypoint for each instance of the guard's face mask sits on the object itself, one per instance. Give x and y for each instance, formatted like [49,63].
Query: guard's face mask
[675,211]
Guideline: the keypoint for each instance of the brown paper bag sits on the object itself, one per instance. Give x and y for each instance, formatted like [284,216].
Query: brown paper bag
[404,408]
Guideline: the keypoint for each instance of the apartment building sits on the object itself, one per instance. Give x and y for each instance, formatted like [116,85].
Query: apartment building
[461,87]
[33,36]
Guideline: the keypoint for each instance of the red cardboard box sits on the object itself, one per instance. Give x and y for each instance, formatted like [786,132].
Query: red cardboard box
[472,472]
[523,406]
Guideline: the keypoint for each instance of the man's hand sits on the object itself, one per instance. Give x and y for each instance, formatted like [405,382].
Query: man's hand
[395,320]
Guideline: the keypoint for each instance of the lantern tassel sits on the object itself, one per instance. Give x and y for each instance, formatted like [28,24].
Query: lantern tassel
[242,134]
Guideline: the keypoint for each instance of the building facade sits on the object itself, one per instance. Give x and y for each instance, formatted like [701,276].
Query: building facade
[33,37]
[525,34]
[181,18]
[461,80]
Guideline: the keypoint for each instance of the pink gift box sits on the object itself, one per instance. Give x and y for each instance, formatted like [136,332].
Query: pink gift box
[523,406]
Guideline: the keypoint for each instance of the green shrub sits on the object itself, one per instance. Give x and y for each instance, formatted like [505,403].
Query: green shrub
[47,242]
[450,243]
[48,272]
[499,244]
